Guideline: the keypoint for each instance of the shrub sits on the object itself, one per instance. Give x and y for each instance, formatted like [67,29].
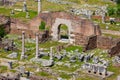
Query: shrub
[42,25]
[2,31]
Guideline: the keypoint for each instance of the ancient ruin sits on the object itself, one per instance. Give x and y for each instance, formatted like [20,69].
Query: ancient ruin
[59,40]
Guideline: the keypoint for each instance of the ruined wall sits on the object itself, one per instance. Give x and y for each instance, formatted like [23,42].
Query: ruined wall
[74,23]
[106,42]
[115,50]
[103,42]
[91,43]
[80,39]
[5,22]
[17,26]
[79,25]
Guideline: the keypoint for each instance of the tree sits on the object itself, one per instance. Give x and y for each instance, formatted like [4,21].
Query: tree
[118,1]
[111,11]
[118,7]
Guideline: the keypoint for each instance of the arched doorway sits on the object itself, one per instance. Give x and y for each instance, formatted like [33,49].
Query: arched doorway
[58,28]
[63,33]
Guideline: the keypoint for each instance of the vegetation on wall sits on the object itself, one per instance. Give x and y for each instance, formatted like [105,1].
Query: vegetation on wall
[42,25]
[2,31]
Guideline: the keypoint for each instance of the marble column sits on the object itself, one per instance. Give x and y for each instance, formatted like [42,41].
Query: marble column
[37,45]
[24,6]
[23,45]
[89,14]
[103,17]
[51,53]
[39,6]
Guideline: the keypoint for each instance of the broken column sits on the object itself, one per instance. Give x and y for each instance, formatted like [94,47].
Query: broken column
[37,45]
[89,14]
[103,17]
[23,45]
[24,6]
[51,53]
[39,6]
[10,65]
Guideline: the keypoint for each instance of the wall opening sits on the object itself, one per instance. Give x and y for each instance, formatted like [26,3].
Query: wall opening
[63,33]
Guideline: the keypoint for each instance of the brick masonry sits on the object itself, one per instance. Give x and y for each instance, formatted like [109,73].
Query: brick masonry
[5,22]
[103,42]
[81,30]
[76,25]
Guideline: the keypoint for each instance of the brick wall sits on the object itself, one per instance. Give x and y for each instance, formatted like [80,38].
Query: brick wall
[115,50]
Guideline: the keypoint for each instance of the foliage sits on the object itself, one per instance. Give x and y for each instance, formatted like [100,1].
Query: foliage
[118,9]
[118,1]
[42,25]
[114,10]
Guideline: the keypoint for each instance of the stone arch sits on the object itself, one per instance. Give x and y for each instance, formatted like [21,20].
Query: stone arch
[55,26]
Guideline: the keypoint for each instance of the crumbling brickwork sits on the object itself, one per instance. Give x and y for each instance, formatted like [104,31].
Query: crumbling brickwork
[81,27]
[103,42]
[80,39]
[5,22]
[115,50]
[91,43]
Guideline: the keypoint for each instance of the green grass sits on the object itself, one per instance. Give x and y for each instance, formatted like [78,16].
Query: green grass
[65,68]
[63,27]
[110,35]
[5,11]
[65,76]
[3,69]
[32,7]
[71,47]
[50,44]
[116,71]
[43,74]
[71,69]
[111,27]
